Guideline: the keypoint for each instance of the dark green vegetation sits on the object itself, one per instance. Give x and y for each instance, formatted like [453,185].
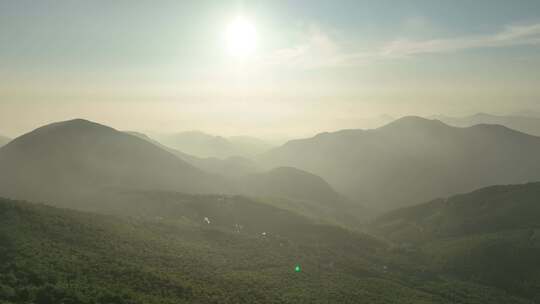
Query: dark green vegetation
[413,160]
[491,236]
[50,255]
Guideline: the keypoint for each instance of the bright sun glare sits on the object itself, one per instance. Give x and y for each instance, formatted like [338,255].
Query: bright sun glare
[241,37]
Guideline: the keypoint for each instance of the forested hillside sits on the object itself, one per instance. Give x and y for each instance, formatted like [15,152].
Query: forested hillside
[491,235]
[52,255]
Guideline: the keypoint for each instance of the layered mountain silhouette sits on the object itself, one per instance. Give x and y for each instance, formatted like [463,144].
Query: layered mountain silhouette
[286,187]
[71,159]
[233,166]
[85,165]
[413,159]
[168,235]
[204,145]
[525,124]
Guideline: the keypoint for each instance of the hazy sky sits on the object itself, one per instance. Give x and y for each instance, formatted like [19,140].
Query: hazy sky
[318,65]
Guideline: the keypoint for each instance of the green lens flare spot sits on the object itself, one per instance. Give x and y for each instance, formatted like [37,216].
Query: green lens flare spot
[297,268]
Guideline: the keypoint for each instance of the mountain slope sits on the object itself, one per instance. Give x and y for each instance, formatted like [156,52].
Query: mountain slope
[304,193]
[413,159]
[51,255]
[291,183]
[72,159]
[488,210]
[525,124]
[491,235]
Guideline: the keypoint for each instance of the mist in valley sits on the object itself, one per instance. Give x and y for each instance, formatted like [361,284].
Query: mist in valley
[269,152]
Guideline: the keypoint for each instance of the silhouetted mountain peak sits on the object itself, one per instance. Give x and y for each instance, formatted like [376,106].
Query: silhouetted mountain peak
[414,123]
[79,133]
[78,124]
[77,156]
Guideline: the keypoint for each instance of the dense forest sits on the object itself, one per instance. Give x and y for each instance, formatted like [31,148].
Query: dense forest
[51,255]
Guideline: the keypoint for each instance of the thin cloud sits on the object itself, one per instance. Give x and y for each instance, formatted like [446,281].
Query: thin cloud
[321,50]
[510,36]
[318,50]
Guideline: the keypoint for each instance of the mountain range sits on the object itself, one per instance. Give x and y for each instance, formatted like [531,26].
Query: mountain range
[85,165]
[168,227]
[412,160]
[407,161]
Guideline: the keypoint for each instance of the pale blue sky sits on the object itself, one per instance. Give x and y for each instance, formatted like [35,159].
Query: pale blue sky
[319,65]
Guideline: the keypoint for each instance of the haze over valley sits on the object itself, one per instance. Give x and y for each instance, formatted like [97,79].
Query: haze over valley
[269,152]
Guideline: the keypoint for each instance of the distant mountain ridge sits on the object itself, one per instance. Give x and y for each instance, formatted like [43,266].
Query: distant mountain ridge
[204,145]
[413,159]
[233,166]
[522,123]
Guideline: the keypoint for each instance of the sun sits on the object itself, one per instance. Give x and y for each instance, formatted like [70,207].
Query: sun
[241,38]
